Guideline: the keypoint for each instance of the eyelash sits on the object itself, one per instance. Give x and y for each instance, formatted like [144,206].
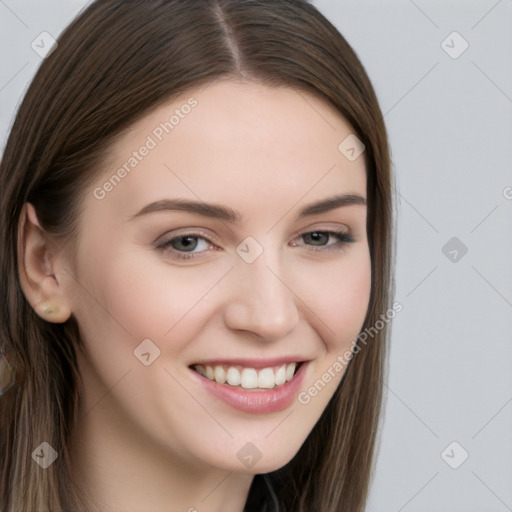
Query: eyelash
[342,237]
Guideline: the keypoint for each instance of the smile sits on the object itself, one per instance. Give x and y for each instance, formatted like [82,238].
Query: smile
[255,387]
[248,378]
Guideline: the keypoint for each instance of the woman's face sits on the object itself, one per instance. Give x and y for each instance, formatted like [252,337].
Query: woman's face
[215,251]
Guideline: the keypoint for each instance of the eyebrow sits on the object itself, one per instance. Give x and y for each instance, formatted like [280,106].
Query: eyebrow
[216,211]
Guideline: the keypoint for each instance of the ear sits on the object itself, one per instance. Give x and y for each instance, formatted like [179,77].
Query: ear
[39,271]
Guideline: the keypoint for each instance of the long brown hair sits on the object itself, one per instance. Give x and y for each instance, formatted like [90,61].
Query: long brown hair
[117,61]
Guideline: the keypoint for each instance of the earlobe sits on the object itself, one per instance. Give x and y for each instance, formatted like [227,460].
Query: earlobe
[50,312]
[37,263]
[53,307]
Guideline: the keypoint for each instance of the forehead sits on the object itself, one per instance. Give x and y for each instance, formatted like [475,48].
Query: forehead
[246,144]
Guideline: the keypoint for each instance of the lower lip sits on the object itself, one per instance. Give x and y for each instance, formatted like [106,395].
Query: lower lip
[256,402]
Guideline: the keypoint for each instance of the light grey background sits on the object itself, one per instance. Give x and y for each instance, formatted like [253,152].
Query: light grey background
[450,127]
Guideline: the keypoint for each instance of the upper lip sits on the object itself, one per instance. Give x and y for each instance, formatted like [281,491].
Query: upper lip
[251,363]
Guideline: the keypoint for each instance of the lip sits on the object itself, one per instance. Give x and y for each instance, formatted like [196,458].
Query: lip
[252,401]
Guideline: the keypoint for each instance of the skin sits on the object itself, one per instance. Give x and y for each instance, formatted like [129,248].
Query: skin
[151,438]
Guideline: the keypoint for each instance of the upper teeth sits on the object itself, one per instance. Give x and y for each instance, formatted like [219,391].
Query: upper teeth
[248,378]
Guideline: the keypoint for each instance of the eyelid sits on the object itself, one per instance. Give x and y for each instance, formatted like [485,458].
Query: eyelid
[322,226]
[189,231]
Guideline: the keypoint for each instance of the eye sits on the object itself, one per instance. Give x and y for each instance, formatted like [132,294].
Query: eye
[326,240]
[185,246]
[187,243]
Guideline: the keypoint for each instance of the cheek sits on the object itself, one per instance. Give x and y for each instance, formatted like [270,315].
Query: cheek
[339,295]
[341,306]
[136,297]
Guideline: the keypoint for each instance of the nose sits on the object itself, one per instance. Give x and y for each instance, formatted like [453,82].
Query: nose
[261,301]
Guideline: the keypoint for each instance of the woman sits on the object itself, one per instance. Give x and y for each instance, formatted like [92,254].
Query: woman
[196,231]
